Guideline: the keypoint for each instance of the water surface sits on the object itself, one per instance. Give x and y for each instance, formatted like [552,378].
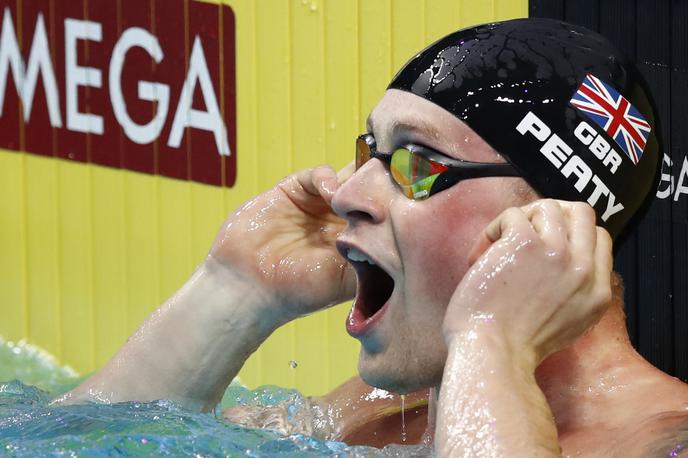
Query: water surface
[30,427]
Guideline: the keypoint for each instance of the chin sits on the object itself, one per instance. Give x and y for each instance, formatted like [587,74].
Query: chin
[401,378]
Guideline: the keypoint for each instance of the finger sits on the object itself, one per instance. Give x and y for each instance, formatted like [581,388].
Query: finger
[549,221]
[310,189]
[320,181]
[511,219]
[348,284]
[582,223]
[346,172]
[604,262]
[304,178]
[479,247]
[325,181]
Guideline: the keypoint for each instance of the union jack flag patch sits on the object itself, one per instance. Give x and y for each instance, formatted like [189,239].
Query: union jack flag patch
[605,106]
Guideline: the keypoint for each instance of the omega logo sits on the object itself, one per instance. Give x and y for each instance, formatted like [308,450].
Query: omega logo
[186,94]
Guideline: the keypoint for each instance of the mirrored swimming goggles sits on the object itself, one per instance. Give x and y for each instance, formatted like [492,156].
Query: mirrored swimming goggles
[422,172]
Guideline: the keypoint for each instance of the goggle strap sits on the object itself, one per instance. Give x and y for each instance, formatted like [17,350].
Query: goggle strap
[472,170]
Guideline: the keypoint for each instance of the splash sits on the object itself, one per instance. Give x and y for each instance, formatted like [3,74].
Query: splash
[30,426]
[34,366]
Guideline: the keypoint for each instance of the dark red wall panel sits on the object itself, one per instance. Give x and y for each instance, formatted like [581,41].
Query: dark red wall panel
[10,122]
[38,134]
[119,132]
[170,26]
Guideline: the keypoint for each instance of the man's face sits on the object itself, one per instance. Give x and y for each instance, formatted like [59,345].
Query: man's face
[419,248]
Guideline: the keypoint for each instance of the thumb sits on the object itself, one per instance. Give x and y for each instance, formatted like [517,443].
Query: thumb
[479,247]
[325,182]
[487,237]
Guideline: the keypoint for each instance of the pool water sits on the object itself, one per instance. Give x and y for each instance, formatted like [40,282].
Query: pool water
[29,426]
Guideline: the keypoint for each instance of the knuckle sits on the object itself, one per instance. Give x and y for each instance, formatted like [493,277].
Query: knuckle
[603,237]
[583,209]
[540,205]
[552,209]
[509,218]
[549,203]
[559,254]
[512,212]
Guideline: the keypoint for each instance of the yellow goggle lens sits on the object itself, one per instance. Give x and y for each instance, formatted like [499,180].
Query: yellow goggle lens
[414,173]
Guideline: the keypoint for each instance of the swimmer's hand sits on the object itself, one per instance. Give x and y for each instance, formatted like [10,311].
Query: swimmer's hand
[283,241]
[273,260]
[540,276]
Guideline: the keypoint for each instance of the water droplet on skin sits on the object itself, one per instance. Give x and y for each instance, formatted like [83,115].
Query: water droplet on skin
[403,419]
[293,364]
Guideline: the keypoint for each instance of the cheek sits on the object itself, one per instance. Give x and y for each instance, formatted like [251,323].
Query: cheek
[440,237]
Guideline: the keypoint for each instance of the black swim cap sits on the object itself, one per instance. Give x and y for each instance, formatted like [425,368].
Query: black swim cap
[558,101]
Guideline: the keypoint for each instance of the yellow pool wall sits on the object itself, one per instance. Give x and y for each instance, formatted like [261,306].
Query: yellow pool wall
[87,252]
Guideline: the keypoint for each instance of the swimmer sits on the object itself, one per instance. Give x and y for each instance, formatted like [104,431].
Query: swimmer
[467,282]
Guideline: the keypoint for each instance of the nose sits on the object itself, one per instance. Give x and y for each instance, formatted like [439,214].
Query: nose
[365,195]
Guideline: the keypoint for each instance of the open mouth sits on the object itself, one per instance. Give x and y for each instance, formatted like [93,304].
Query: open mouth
[375,286]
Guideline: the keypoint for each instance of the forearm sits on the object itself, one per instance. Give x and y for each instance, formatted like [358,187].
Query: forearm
[490,404]
[190,348]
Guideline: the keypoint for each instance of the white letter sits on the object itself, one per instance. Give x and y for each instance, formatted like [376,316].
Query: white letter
[681,188]
[39,60]
[585,133]
[153,92]
[80,76]
[666,177]
[613,160]
[556,150]
[533,124]
[577,166]
[9,57]
[600,148]
[600,189]
[186,116]
[611,207]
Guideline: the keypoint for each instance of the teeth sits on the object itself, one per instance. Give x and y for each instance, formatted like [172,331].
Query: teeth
[357,256]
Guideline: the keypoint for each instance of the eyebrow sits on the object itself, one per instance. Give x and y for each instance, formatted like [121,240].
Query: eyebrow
[421,126]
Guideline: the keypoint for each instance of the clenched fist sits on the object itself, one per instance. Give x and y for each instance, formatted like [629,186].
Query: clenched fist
[540,276]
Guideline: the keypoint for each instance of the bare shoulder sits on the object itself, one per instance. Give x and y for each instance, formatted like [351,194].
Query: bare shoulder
[662,435]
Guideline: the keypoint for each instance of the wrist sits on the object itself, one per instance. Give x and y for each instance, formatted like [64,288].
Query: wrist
[486,380]
[235,294]
[484,335]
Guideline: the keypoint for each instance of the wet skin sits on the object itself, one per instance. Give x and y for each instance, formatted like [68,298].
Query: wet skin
[266,268]
[422,245]
[427,248]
